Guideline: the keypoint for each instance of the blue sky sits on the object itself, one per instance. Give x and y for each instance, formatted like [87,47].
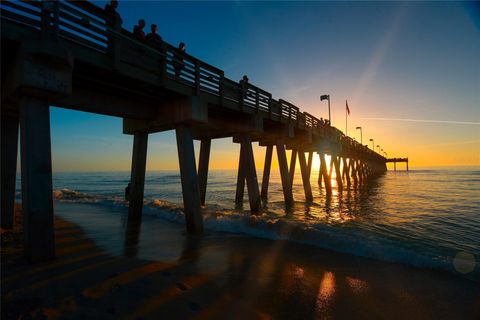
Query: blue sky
[391,60]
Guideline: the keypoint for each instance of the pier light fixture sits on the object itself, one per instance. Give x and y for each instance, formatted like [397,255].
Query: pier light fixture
[373,144]
[327,97]
[378,146]
[361,138]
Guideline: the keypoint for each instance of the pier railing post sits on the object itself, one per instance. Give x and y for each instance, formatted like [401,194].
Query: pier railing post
[284,174]
[305,175]
[37,197]
[188,174]
[9,149]
[203,160]
[266,171]
[137,177]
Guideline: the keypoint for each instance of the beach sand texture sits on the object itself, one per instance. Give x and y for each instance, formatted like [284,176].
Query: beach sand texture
[215,276]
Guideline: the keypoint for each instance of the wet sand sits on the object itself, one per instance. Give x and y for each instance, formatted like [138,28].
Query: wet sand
[110,269]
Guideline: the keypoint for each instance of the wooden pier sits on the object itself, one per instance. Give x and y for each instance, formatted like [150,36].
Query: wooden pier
[71,54]
[396,160]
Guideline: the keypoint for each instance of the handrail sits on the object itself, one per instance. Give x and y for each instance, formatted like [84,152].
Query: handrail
[89,25]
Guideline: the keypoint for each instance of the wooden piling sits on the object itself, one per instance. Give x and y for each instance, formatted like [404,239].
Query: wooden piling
[9,149]
[266,171]
[203,160]
[326,177]
[338,175]
[37,197]
[240,179]
[293,163]
[137,177]
[188,174]
[305,175]
[284,174]
[250,174]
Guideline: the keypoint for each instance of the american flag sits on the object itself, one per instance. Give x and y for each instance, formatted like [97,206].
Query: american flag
[347,108]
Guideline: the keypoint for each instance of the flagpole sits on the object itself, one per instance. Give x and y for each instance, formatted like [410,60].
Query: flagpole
[329,118]
[346,123]
[346,126]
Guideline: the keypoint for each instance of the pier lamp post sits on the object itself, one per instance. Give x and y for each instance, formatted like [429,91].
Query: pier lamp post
[361,138]
[378,148]
[327,97]
[373,145]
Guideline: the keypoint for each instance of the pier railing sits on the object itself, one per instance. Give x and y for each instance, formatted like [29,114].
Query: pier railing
[90,26]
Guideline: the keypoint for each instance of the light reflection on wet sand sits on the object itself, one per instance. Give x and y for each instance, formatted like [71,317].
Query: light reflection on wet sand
[156,271]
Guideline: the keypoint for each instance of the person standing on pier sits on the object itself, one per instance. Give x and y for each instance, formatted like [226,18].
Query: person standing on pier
[244,85]
[138,30]
[153,37]
[111,8]
[178,60]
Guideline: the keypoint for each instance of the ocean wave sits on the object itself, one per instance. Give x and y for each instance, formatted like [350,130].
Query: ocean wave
[332,237]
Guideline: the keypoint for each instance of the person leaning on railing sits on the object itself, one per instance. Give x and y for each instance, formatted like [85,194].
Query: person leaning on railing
[113,17]
[178,63]
[153,37]
[138,30]
[244,85]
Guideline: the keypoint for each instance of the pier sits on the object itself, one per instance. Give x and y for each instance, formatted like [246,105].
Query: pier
[396,160]
[72,54]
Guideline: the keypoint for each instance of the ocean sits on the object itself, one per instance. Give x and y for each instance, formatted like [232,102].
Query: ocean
[422,218]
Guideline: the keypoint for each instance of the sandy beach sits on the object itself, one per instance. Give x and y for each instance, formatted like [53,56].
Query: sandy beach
[155,271]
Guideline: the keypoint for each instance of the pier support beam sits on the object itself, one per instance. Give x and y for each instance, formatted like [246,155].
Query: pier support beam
[137,177]
[188,174]
[320,172]
[310,162]
[284,174]
[338,174]
[324,173]
[266,171]
[37,198]
[203,160]
[9,147]
[247,171]
[293,163]
[305,175]
[346,171]
[240,180]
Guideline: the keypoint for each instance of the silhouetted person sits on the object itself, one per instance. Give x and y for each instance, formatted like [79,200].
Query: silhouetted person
[138,30]
[127,192]
[153,37]
[111,8]
[178,61]
[244,86]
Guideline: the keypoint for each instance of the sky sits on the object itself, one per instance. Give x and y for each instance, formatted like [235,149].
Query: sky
[409,70]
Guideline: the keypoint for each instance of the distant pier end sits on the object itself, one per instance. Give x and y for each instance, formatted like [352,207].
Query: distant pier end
[395,160]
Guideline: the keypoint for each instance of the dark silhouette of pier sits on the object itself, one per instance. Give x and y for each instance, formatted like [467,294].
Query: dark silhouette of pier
[396,160]
[72,54]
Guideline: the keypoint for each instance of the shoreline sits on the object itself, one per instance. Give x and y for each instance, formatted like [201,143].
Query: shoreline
[155,270]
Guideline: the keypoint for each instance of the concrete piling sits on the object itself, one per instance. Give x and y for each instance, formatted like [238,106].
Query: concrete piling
[36,161]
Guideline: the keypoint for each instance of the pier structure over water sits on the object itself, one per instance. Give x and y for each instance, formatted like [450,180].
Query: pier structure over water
[396,160]
[71,54]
